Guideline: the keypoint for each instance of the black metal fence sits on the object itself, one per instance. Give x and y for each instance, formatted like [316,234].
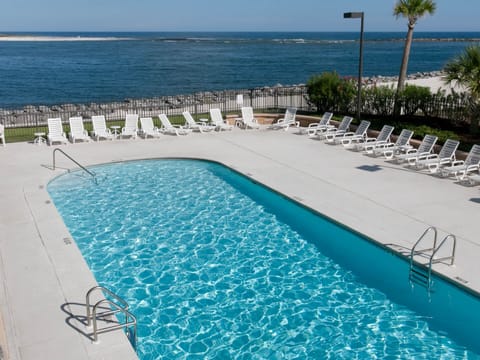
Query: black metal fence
[29,119]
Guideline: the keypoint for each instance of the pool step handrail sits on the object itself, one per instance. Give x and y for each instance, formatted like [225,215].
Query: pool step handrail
[104,309]
[75,161]
[421,273]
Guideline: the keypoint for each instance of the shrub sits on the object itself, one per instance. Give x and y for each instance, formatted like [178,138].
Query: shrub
[329,92]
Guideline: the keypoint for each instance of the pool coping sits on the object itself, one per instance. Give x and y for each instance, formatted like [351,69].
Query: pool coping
[279,160]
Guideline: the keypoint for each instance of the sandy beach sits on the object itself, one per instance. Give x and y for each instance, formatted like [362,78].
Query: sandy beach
[435,83]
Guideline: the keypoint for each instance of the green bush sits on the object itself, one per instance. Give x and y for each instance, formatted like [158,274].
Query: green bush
[378,100]
[329,92]
[414,98]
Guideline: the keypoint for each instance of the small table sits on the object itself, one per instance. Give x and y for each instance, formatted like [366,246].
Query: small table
[239,122]
[115,131]
[203,121]
[39,138]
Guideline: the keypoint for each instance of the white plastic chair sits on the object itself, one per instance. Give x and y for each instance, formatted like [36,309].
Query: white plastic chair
[190,123]
[77,130]
[168,128]
[359,134]
[425,148]
[323,125]
[433,162]
[217,120]
[131,126]
[100,130]
[248,119]
[55,131]
[462,168]
[148,128]
[2,133]
[401,145]
[287,121]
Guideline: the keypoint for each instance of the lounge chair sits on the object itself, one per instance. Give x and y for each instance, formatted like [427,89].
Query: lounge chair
[473,179]
[248,120]
[401,145]
[168,128]
[2,133]
[433,162]
[348,137]
[100,130]
[77,131]
[425,148]
[369,144]
[287,121]
[331,133]
[462,168]
[314,129]
[148,128]
[131,126]
[217,120]
[190,123]
[55,131]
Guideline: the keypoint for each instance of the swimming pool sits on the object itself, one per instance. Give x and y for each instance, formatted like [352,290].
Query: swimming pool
[216,266]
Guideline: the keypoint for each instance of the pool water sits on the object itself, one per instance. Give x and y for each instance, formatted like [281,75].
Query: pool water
[215,266]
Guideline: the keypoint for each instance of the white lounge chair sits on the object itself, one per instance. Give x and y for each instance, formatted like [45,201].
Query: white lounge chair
[349,137]
[190,123]
[77,131]
[425,148]
[217,120]
[333,132]
[462,168]
[369,143]
[168,128]
[2,133]
[433,162]
[131,126]
[248,120]
[401,145]
[100,130]
[287,121]
[473,179]
[55,131]
[314,129]
[148,128]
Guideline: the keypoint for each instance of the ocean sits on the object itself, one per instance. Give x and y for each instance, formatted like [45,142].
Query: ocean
[59,68]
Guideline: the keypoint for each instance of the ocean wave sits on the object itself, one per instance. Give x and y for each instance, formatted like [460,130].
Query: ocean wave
[60,38]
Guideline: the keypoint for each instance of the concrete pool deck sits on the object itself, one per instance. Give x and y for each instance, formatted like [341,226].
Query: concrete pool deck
[44,277]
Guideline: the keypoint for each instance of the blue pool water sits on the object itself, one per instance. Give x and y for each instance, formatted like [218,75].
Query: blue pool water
[215,266]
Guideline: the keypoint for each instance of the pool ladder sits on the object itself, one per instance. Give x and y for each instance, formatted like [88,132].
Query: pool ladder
[75,162]
[421,272]
[104,310]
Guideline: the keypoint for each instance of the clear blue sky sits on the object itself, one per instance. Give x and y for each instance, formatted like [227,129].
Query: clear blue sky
[225,15]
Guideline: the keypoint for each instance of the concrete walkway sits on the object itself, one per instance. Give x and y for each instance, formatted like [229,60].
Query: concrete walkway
[44,277]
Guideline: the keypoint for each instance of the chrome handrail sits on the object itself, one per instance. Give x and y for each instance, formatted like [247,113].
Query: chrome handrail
[75,161]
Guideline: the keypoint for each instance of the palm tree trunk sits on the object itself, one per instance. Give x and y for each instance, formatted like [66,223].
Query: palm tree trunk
[403,70]
[406,54]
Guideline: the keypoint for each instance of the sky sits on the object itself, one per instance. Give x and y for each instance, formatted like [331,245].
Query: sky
[226,15]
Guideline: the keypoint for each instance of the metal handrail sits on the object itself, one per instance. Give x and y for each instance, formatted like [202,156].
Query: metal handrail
[414,252]
[130,320]
[104,290]
[432,260]
[451,257]
[75,161]
[121,306]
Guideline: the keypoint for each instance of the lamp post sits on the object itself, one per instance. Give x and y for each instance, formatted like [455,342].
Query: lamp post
[358,15]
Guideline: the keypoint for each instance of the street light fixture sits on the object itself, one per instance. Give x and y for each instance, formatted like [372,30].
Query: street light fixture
[358,15]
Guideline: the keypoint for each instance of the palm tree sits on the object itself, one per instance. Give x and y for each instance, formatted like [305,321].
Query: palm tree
[412,10]
[465,70]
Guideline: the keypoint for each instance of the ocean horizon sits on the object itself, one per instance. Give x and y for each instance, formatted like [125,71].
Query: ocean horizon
[46,68]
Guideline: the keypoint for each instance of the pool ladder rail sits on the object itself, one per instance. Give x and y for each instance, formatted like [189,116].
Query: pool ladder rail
[104,311]
[92,174]
[421,272]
